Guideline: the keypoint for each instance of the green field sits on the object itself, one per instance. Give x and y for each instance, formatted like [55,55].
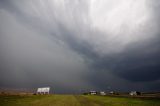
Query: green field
[74,100]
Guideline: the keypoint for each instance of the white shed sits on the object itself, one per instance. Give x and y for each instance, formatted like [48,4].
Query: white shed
[93,92]
[132,93]
[44,90]
[102,93]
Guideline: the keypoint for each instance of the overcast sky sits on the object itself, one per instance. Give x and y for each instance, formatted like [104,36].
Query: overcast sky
[77,45]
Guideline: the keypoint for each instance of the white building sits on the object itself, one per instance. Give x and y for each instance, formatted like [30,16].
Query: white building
[44,90]
[111,92]
[93,92]
[102,93]
[134,93]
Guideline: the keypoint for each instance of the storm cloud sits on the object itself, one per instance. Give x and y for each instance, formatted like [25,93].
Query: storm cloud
[74,45]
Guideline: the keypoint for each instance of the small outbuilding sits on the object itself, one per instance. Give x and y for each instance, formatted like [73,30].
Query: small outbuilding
[93,92]
[113,93]
[102,93]
[44,90]
[134,93]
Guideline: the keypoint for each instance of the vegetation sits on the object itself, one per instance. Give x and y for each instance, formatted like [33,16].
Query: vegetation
[74,100]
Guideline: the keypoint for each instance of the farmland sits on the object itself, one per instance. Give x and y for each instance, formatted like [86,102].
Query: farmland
[74,100]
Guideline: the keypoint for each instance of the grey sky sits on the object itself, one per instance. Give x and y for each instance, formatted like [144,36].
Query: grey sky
[74,45]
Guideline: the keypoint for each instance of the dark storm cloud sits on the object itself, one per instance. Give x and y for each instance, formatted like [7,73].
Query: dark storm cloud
[138,62]
[32,59]
[80,44]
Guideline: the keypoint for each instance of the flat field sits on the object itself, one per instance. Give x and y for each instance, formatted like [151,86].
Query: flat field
[74,100]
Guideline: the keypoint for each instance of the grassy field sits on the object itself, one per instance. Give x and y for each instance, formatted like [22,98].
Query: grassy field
[74,100]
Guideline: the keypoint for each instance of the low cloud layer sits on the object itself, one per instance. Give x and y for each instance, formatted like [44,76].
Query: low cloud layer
[74,45]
